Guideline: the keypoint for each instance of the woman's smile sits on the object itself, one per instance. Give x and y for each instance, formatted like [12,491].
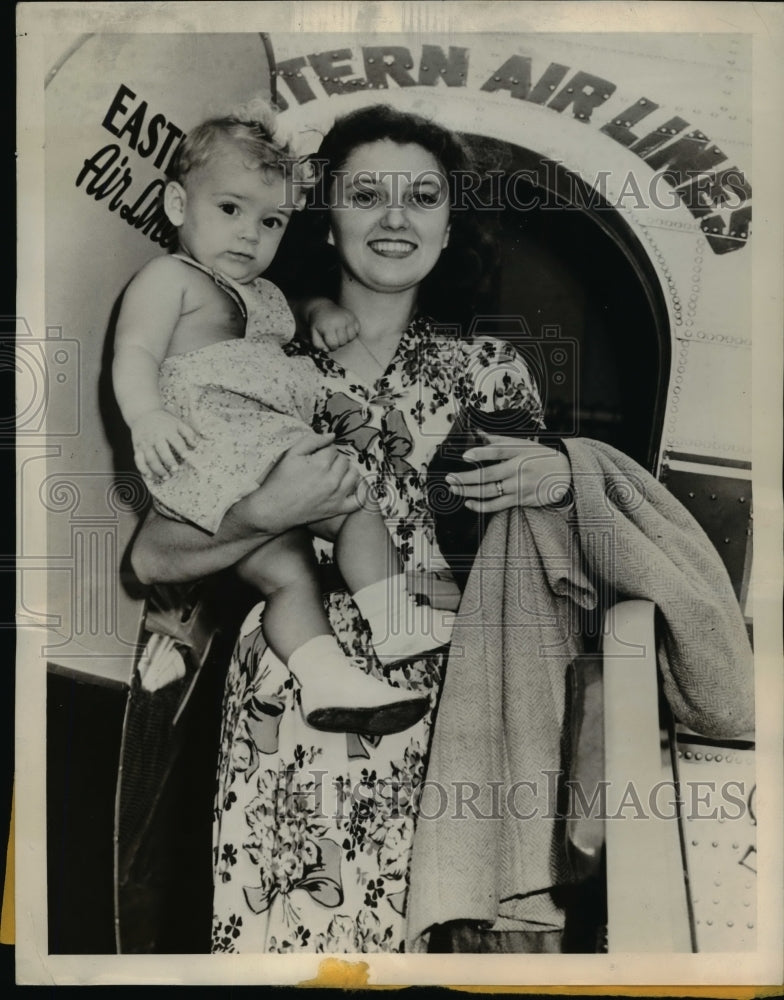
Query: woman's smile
[392,248]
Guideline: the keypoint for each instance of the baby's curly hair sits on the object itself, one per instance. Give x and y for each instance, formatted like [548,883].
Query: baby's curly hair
[252,128]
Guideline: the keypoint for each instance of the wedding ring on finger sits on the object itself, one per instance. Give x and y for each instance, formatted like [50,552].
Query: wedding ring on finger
[499,488]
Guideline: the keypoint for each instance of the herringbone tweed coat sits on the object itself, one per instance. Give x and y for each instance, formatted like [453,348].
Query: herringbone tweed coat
[498,738]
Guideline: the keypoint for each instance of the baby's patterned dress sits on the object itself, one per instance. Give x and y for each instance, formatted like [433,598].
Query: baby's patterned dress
[248,399]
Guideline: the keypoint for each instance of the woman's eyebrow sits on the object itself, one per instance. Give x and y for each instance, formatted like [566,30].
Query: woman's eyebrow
[429,180]
[364,180]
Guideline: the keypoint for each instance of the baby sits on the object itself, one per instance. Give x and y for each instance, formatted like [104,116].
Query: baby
[213,402]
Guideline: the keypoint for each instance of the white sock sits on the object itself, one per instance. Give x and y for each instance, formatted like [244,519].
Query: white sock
[314,658]
[400,627]
[330,680]
[381,603]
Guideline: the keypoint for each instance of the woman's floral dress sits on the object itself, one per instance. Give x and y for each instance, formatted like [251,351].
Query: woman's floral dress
[313,830]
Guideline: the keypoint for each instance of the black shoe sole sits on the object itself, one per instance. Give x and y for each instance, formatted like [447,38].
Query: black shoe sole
[379,721]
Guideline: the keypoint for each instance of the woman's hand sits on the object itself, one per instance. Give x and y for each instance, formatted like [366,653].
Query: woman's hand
[312,481]
[523,473]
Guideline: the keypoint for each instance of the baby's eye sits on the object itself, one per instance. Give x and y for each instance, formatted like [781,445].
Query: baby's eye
[272,223]
[364,199]
[229,207]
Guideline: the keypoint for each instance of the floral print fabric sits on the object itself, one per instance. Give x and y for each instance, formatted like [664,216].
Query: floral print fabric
[313,830]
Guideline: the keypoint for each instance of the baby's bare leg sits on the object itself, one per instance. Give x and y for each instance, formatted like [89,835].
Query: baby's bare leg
[335,691]
[364,550]
[284,569]
[369,563]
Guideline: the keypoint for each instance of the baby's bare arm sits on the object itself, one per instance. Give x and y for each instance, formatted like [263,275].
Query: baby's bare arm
[151,308]
[328,325]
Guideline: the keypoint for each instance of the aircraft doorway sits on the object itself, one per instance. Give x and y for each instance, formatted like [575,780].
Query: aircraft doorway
[589,298]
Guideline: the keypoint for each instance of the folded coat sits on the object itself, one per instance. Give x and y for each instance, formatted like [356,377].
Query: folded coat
[490,840]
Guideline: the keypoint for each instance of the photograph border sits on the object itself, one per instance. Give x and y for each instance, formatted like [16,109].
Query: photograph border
[765,25]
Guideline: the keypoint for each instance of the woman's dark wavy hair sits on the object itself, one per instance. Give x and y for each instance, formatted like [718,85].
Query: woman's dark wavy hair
[450,292]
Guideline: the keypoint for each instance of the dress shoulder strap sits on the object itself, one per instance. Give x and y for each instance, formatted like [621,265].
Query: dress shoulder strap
[223,283]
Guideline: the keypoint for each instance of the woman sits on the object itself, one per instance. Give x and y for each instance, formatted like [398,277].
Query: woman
[313,830]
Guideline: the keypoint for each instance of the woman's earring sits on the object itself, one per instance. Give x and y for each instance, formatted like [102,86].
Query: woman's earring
[446,238]
[330,239]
